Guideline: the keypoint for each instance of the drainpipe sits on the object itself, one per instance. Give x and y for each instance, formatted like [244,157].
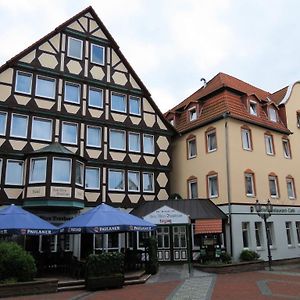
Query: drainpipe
[228,183]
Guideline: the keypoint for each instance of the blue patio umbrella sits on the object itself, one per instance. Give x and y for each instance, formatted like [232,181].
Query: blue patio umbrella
[16,220]
[105,219]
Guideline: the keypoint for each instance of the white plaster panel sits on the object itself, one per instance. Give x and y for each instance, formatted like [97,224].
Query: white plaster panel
[146,106]
[134,157]
[135,120]
[18,145]
[5,92]
[93,153]
[117,155]
[55,41]
[36,191]
[79,194]
[162,143]
[116,198]
[74,67]
[75,26]
[133,83]
[72,149]
[149,197]
[95,113]
[84,22]
[47,47]
[37,146]
[91,197]
[99,33]
[45,104]
[118,117]
[7,75]
[163,158]
[162,179]
[13,193]
[60,191]
[162,195]
[160,123]
[72,109]
[22,100]
[48,60]
[97,72]
[134,198]
[93,25]
[115,58]
[119,78]
[29,57]
[149,159]
[121,67]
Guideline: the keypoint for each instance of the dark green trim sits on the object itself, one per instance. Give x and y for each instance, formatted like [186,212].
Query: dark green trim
[57,203]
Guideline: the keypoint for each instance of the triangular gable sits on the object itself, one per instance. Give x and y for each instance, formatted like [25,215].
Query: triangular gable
[167,215]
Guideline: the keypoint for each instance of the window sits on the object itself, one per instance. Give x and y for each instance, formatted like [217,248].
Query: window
[61,170]
[79,169]
[289,233]
[249,184]
[133,181]
[3,118]
[116,180]
[245,233]
[148,182]
[246,139]
[290,187]
[193,189]
[74,48]
[14,172]
[134,105]
[286,148]
[117,139]
[95,97]
[92,178]
[213,186]
[19,126]
[192,148]
[41,129]
[273,186]
[211,139]
[253,108]
[45,87]
[298,119]
[97,54]
[1,164]
[38,168]
[272,114]
[134,142]
[69,133]
[118,102]
[172,122]
[23,82]
[93,136]
[269,144]
[72,92]
[192,114]
[148,144]
[298,231]
[258,234]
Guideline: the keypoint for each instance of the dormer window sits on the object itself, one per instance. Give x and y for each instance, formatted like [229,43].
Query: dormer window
[272,114]
[172,122]
[253,108]
[193,114]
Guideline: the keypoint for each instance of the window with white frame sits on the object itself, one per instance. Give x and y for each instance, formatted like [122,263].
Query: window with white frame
[273,185]
[249,184]
[14,172]
[23,82]
[41,129]
[133,181]
[117,139]
[290,187]
[298,231]
[253,108]
[116,180]
[192,148]
[135,105]
[3,119]
[1,164]
[258,234]
[134,141]
[289,233]
[118,102]
[211,139]
[269,144]
[93,136]
[213,186]
[148,182]
[245,234]
[193,189]
[79,171]
[246,139]
[270,233]
[19,126]
[69,133]
[192,114]
[38,167]
[72,92]
[92,178]
[61,170]
[45,87]
[272,114]
[286,148]
[148,144]
[97,54]
[95,97]
[298,119]
[75,48]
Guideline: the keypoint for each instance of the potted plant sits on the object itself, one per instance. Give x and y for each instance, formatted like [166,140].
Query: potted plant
[105,270]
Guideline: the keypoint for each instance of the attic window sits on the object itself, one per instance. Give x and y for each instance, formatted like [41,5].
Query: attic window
[193,114]
[172,121]
[74,48]
[272,114]
[253,108]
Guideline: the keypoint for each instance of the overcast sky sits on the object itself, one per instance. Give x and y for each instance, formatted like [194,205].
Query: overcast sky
[172,44]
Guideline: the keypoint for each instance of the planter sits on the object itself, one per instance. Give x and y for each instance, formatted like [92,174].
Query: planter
[28,288]
[104,282]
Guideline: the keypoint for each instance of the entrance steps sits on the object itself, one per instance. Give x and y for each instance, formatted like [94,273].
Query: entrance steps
[71,285]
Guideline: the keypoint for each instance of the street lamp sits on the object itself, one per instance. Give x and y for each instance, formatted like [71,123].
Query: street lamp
[264,211]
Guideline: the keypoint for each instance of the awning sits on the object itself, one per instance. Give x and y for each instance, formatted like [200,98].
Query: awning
[208,226]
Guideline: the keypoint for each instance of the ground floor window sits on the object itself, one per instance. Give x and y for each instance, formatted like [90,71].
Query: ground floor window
[270,231]
[163,237]
[245,233]
[288,227]
[258,234]
[298,231]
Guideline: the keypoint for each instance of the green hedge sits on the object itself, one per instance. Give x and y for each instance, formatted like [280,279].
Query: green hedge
[15,263]
[249,255]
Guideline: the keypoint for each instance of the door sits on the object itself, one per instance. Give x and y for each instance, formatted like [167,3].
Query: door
[163,243]
[179,243]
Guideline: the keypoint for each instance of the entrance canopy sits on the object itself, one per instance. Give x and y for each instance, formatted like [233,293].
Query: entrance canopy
[208,226]
[16,220]
[105,219]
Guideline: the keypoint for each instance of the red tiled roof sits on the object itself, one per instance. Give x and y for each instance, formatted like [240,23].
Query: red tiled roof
[279,95]
[208,226]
